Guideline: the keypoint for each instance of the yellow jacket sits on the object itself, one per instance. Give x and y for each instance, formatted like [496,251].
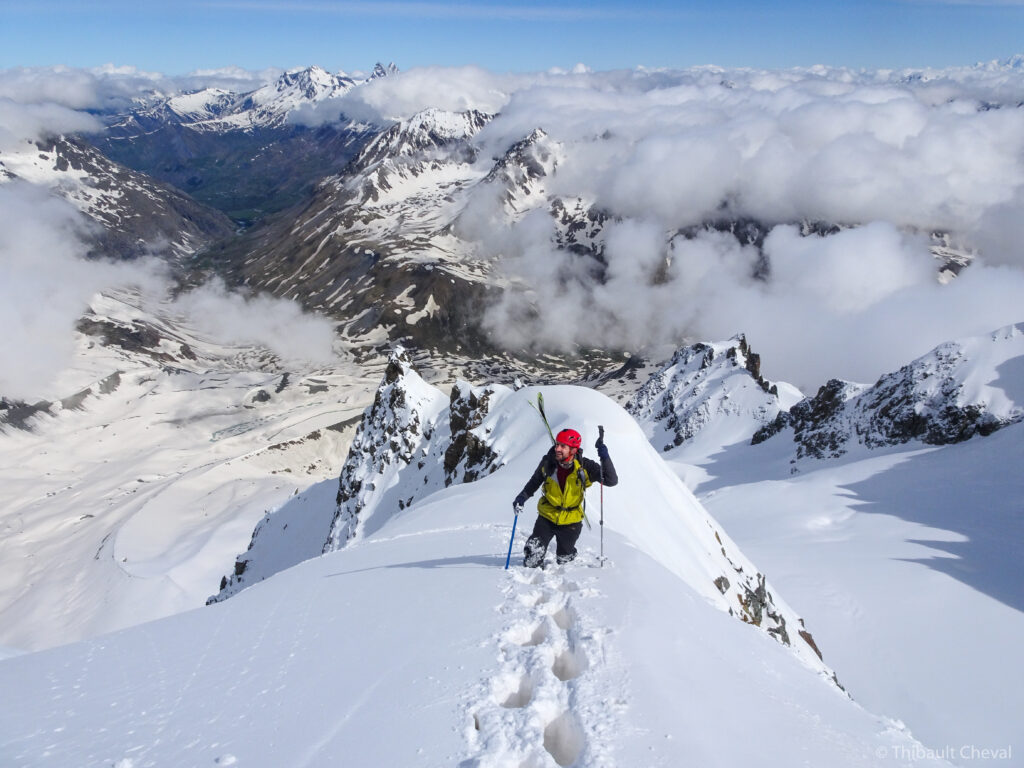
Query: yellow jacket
[564,507]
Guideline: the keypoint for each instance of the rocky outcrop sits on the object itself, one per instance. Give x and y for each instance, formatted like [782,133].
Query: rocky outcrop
[468,455]
[958,390]
[410,443]
[704,384]
[390,436]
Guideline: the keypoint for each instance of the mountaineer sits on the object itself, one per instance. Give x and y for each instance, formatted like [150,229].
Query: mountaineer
[565,474]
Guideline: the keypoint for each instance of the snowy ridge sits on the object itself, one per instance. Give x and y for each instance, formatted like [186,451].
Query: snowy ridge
[958,390]
[220,111]
[627,664]
[138,215]
[408,446]
[706,385]
[401,426]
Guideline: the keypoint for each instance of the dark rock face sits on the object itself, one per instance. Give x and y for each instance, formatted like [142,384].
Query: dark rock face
[467,451]
[897,413]
[815,421]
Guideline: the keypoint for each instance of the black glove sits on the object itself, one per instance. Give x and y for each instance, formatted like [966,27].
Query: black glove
[602,449]
[517,505]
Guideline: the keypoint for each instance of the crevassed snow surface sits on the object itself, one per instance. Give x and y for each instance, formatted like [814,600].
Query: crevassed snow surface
[413,646]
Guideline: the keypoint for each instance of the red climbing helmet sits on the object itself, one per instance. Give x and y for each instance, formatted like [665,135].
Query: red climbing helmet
[569,437]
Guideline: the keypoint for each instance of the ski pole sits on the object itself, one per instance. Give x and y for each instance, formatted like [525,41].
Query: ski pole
[512,540]
[600,436]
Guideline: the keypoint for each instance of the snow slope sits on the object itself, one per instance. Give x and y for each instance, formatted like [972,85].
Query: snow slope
[908,563]
[128,499]
[413,646]
[907,553]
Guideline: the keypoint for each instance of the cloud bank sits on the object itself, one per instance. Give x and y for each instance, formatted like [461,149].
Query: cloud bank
[47,283]
[110,88]
[887,157]
[281,326]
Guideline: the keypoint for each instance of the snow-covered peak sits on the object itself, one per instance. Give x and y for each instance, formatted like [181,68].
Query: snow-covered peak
[709,392]
[272,104]
[206,104]
[218,110]
[434,139]
[427,130]
[445,125]
[297,86]
[960,389]
[521,171]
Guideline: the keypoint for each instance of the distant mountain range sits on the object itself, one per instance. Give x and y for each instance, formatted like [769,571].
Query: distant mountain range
[239,152]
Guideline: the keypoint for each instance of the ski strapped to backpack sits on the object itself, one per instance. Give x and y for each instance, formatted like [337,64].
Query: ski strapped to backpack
[539,407]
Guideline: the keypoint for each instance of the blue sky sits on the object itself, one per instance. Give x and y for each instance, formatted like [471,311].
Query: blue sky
[177,37]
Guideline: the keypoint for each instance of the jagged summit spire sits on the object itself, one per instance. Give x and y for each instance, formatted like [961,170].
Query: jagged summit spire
[384,71]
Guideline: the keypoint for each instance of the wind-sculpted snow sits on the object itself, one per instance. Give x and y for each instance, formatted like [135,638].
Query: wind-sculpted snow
[959,390]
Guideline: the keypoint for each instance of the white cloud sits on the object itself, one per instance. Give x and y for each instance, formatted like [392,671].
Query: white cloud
[113,87]
[45,285]
[893,152]
[665,151]
[277,324]
[21,122]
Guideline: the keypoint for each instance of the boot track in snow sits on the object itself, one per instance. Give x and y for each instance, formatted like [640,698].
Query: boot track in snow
[543,707]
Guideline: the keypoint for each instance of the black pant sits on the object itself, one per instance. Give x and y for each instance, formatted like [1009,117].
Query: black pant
[565,542]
